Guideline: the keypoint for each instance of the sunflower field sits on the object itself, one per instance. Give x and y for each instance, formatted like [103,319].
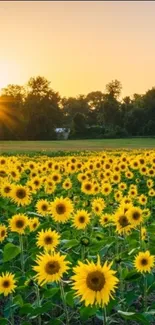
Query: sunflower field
[77,238]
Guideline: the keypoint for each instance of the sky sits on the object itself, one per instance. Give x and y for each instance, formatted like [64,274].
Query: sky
[78,46]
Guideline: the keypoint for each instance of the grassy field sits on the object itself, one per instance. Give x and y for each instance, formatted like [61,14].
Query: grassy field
[49,146]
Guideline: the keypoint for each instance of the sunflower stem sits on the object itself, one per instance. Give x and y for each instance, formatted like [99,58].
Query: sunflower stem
[22,253]
[83,253]
[11,311]
[121,283]
[38,303]
[145,293]
[64,302]
[140,236]
[104,316]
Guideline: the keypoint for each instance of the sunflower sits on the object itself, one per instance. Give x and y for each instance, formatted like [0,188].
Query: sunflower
[151,172]
[135,216]
[20,195]
[18,223]
[6,189]
[115,178]
[122,222]
[3,173]
[56,178]
[50,268]
[105,219]
[151,192]
[143,233]
[3,232]
[48,239]
[14,174]
[82,177]
[125,207]
[94,283]
[67,184]
[61,209]
[71,168]
[118,196]
[134,164]
[3,161]
[106,189]
[146,213]
[42,207]
[81,219]
[133,192]
[143,170]
[50,187]
[33,223]
[150,183]
[122,186]
[37,183]
[96,188]
[7,283]
[144,262]
[97,207]
[87,187]
[129,174]
[142,199]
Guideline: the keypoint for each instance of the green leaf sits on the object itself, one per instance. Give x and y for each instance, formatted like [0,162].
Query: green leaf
[18,300]
[26,309]
[55,322]
[70,243]
[3,321]
[86,312]
[43,309]
[10,252]
[70,298]
[51,292]
[140,318]
[132,276]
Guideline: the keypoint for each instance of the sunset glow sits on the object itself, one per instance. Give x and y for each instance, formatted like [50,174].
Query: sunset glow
[78,46]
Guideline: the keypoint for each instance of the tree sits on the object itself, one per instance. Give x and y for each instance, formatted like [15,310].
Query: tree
[78,127]
[11,117]
[114,88]
[42,110]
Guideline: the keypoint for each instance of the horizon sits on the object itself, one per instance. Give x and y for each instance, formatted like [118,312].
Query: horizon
[78,46]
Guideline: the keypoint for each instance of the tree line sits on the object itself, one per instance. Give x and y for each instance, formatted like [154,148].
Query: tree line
[34,111]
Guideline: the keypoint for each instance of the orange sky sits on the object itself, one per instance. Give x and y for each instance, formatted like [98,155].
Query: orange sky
[78,46]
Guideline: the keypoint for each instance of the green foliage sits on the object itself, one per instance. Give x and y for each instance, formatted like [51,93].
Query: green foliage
[35,111]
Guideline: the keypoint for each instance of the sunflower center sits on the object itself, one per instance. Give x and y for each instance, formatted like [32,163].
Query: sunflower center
[52,267]
[36,183]
[144,261]
[123,220]
[55,178]
[19,223]
[95,281]
[35,225]
[82,219]
[88,187]
[60,208]
[2,233]
[136,215]
[7,189]
[48,240]
[2,162]
[21,193]
[6,284]
[44,207]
